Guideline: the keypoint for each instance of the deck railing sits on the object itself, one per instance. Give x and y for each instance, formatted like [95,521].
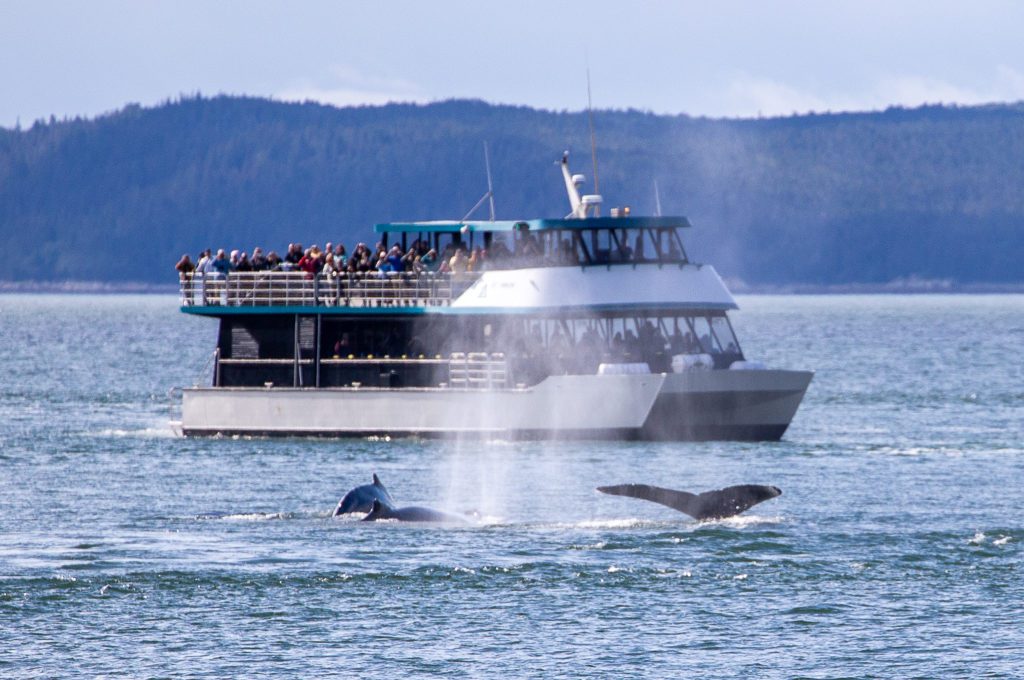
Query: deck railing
[472,370]
[374,289]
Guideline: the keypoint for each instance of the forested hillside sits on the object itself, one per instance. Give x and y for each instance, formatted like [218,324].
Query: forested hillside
[932,193]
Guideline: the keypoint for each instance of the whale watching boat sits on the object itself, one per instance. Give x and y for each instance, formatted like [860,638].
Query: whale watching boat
[586,326]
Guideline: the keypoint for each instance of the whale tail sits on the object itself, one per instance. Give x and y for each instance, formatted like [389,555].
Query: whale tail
[717,504]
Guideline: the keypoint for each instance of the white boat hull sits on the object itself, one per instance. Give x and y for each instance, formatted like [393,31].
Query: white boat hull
[692,405]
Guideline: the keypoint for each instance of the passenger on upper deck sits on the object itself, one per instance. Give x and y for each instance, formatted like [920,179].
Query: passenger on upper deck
[395,259]
[457,263]
[185,266]
[476,260]
[258,261]
[221,265]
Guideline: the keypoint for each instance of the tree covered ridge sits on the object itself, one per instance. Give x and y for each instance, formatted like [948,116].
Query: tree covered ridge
[932,192]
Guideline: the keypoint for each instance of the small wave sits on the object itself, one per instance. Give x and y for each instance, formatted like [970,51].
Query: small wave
[631,523]
[600,545]
[246,516]
[1002,540]
[141,433]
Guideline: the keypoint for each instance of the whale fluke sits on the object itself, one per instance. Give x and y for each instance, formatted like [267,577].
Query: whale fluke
[718,504]
[412,513]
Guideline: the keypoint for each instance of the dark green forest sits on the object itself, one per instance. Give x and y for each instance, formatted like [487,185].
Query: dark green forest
[826,199]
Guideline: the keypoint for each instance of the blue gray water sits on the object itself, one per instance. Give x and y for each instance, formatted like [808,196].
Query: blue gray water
[895,550]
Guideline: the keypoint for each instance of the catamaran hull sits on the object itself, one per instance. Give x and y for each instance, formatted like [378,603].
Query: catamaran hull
[729,405]
[726,405]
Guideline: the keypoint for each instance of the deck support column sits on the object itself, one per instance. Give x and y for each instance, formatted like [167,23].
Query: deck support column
[296,367]
[316,350]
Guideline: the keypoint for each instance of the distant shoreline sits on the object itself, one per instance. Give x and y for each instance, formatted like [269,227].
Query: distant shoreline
[907,287]
[88,287]
[892,288]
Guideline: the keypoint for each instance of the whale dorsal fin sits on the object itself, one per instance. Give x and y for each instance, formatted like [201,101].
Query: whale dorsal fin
[376,511]
[385,495]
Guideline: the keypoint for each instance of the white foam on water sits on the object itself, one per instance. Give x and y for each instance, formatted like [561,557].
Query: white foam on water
[1002,540]
[141,433]
[741,521]
[978,538]
[630,523]
[246,516]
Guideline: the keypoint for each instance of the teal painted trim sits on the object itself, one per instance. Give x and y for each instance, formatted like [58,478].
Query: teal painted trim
[306,310]
[534,225]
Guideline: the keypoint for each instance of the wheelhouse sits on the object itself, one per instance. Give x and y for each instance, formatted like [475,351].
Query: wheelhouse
[550,242]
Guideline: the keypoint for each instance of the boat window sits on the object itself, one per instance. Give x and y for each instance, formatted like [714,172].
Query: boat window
[702,332]
[723,334]
[600,246]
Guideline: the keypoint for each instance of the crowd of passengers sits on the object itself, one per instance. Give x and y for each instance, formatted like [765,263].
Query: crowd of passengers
[420,258]
[335,260]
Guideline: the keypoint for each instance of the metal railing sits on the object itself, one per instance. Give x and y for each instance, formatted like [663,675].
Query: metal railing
[478,370]
[374,289]
[465,370]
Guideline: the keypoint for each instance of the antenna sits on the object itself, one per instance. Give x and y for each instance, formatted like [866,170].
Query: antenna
[489,196]
[490,187]
[593,143]
[657,200]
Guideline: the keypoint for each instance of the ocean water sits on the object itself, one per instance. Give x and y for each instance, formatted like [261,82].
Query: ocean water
[895,550]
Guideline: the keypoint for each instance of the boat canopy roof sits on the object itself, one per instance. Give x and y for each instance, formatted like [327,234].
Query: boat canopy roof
[574,224]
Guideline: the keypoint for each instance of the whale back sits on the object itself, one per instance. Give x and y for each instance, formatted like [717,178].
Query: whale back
[412,513]
[716,504]
[361,498]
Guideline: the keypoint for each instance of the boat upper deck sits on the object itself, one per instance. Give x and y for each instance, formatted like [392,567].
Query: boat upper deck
[358,292]
[600,263]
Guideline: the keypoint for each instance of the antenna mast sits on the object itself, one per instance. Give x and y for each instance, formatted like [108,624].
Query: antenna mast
[489,196]
[593,143]
[490,187]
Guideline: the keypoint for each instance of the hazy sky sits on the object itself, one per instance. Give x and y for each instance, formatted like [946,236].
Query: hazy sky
[703,58]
